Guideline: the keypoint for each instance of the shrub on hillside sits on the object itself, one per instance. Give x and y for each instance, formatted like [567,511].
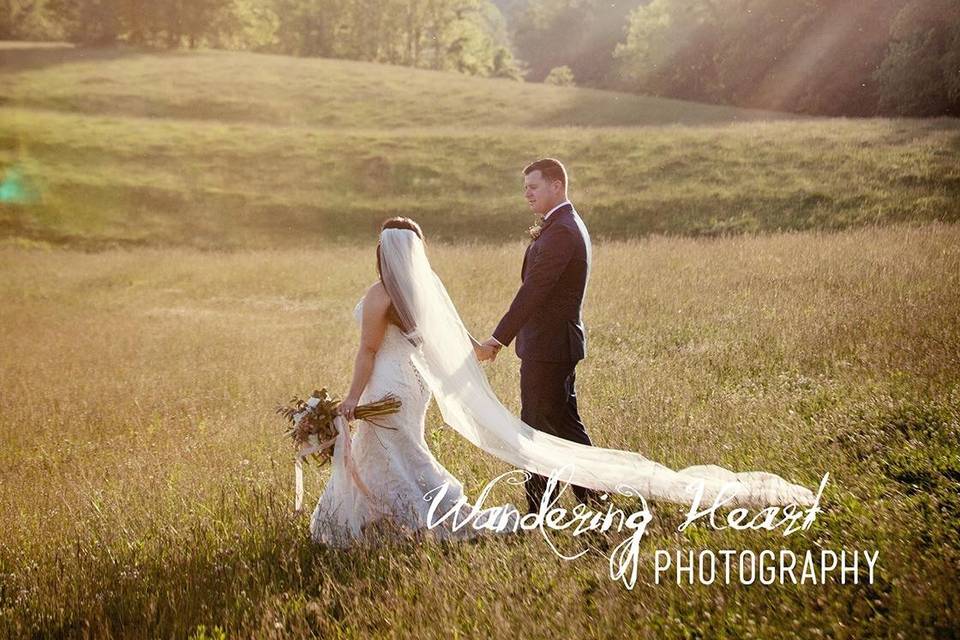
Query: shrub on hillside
[560,76]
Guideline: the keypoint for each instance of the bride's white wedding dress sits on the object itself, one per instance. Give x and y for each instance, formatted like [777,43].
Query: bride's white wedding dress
[395,465]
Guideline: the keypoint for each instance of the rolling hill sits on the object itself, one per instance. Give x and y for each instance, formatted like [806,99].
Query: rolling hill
[287,91]
[226,149]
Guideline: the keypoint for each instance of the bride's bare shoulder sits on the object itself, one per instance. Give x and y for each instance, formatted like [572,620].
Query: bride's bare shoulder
[376,295]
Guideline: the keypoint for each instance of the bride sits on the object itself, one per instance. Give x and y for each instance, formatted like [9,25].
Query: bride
[414,345]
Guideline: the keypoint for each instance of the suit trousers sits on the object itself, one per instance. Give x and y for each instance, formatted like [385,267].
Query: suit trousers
[548,403]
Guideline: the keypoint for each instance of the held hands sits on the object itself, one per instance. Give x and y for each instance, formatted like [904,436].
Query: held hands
[487,350]
[484,353]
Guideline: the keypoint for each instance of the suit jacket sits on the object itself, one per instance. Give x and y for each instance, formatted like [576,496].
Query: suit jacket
[545,316]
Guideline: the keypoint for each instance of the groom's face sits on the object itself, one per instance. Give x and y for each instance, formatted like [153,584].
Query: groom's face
[541,195]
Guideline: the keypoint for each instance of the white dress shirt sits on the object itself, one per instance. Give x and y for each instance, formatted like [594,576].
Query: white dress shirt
[555,208]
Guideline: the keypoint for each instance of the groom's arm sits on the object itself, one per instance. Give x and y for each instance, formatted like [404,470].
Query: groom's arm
[541,275]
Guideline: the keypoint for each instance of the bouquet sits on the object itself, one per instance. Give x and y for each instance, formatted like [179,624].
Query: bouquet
[313,429]
[312,420]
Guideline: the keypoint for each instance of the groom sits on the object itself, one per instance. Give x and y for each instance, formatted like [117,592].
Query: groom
[545,316]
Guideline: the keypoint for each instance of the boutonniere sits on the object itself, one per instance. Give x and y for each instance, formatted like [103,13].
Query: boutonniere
[534,231]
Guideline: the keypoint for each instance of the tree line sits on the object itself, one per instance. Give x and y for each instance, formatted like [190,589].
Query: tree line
[468,36]
[837,57]
[833,57]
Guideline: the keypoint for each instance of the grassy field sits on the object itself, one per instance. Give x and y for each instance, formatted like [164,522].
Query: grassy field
[144,489]
[216,149]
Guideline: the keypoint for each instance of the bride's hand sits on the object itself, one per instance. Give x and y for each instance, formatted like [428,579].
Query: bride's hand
[347,408]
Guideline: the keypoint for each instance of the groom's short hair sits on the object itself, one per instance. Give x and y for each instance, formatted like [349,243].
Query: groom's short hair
[550,169]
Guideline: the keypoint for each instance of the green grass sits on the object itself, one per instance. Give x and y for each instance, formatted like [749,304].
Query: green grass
[145,489]
[217,149]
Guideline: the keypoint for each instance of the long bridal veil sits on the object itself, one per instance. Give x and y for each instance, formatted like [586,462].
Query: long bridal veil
[469,405]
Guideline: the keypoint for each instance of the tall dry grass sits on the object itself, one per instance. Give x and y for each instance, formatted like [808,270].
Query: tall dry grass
[145,489]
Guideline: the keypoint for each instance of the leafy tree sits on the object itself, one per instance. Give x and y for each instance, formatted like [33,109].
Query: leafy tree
[463,35]
[580,34]
[671,48]
[309,27]
[505,66]
[95,22]
[560,76]
[27,20]
[920,75]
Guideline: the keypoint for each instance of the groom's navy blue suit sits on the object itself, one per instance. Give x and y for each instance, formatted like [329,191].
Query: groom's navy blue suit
[546,319]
